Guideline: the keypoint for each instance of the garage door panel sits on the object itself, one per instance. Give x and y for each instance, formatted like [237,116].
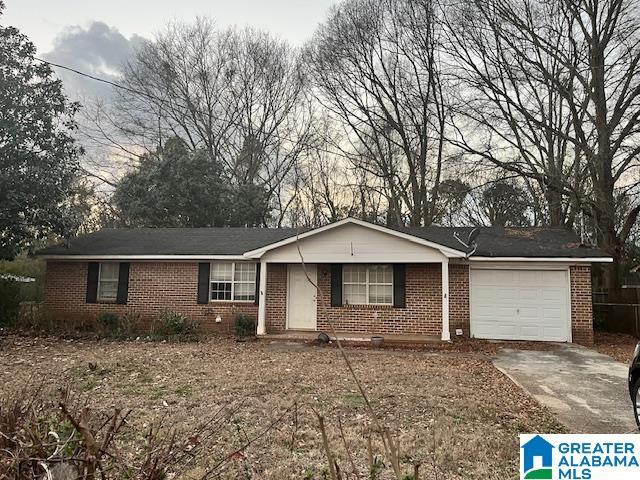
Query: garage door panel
[555,278]
[527,314]
[528,278]
[554,334]
[550,314]
[529,294]
[554,295]
[530,331]
[488,295]
[500,277]
[520,304]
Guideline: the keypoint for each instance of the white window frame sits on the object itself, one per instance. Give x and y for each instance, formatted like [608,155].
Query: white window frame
[233,282]
[99,297]
[368,284]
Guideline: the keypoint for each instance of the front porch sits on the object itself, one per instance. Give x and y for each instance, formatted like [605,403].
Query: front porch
[416,311]
[307,336]
[356,278]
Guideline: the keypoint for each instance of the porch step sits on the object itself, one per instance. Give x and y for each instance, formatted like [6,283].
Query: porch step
[305,336]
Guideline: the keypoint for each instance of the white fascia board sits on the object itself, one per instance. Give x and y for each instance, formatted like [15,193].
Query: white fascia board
[142,257]
[446,251]
[543,259]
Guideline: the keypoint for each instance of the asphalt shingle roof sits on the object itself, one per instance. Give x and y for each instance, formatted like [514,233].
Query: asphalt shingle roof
[513,242]
[491,241]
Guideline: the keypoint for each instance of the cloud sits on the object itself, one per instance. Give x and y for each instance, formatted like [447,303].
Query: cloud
[99,50]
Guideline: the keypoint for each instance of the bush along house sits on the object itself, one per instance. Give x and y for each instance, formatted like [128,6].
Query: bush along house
[491,283]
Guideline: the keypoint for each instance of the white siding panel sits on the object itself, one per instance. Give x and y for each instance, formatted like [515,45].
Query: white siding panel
[352,243]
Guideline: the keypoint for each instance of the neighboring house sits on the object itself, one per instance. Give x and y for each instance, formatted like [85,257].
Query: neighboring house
[513,283]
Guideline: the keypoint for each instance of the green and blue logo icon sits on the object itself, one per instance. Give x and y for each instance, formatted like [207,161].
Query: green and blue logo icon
[580,457]
[537,459]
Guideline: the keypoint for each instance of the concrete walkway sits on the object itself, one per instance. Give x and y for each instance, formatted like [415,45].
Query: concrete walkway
[587,391]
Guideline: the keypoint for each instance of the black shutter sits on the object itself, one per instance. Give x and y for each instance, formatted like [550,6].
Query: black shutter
[257,300]
[93,270]
[399,281]
[203,282]
[336,285]
[123,283]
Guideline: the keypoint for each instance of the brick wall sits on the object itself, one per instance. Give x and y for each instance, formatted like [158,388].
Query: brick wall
[276,316]
[581,305]
[459,299]
[422,315]
[153,288]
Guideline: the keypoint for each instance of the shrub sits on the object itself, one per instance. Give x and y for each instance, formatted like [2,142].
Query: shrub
[109,321]
[129,324]
[9,302]
[174,324]
[245,325]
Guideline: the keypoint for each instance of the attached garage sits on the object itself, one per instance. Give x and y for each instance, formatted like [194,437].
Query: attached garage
[520,304]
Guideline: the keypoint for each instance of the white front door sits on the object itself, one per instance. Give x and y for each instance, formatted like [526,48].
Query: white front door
[302,297]
[520,304]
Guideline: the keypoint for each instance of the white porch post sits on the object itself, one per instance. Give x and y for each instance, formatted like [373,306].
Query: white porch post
[446,335]
[262,301]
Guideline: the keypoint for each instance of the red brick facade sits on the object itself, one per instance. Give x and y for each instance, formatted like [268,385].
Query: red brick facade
[422,315]
[159,286]
[276,318]
[153,288]
[459,299]
[581,305]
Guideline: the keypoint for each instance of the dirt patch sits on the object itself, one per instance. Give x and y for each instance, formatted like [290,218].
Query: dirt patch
[455,410]
[458,345]
[617,345]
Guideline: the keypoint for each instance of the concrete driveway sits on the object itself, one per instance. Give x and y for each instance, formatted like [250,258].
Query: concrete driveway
[586,390]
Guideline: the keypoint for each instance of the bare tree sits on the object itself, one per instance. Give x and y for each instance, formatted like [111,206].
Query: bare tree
[376,69]
[516,118]
[582,58]
[238,94]
[328,188]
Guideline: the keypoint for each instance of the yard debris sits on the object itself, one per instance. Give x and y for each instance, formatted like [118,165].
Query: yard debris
[455,408]
[617,345]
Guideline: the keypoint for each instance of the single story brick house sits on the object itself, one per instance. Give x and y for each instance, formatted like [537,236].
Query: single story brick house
[493,283]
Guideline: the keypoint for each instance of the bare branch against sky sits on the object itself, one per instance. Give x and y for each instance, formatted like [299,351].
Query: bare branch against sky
[44,20]
[99,39]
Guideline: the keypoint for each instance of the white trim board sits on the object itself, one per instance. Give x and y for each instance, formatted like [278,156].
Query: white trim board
[448,252]
[245,257]
[143,257]
[543,259]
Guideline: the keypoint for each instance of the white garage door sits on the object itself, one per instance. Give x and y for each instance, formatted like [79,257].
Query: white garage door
[520,304]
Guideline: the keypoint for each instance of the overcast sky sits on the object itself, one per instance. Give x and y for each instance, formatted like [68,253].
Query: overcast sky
[96,36]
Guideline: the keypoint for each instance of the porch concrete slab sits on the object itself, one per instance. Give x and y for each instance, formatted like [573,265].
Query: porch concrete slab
[587,391]
[306,335]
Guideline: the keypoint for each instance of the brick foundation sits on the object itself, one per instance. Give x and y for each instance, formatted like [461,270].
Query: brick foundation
[581,305]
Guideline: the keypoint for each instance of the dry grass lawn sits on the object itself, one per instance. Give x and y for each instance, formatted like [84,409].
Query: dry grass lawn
[616,345]
[449,408]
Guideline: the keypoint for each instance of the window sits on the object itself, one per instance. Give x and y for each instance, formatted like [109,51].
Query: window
[233,281]
[108,282]
[367,284]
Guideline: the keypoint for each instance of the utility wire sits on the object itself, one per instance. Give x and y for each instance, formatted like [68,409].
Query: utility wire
[186,108]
